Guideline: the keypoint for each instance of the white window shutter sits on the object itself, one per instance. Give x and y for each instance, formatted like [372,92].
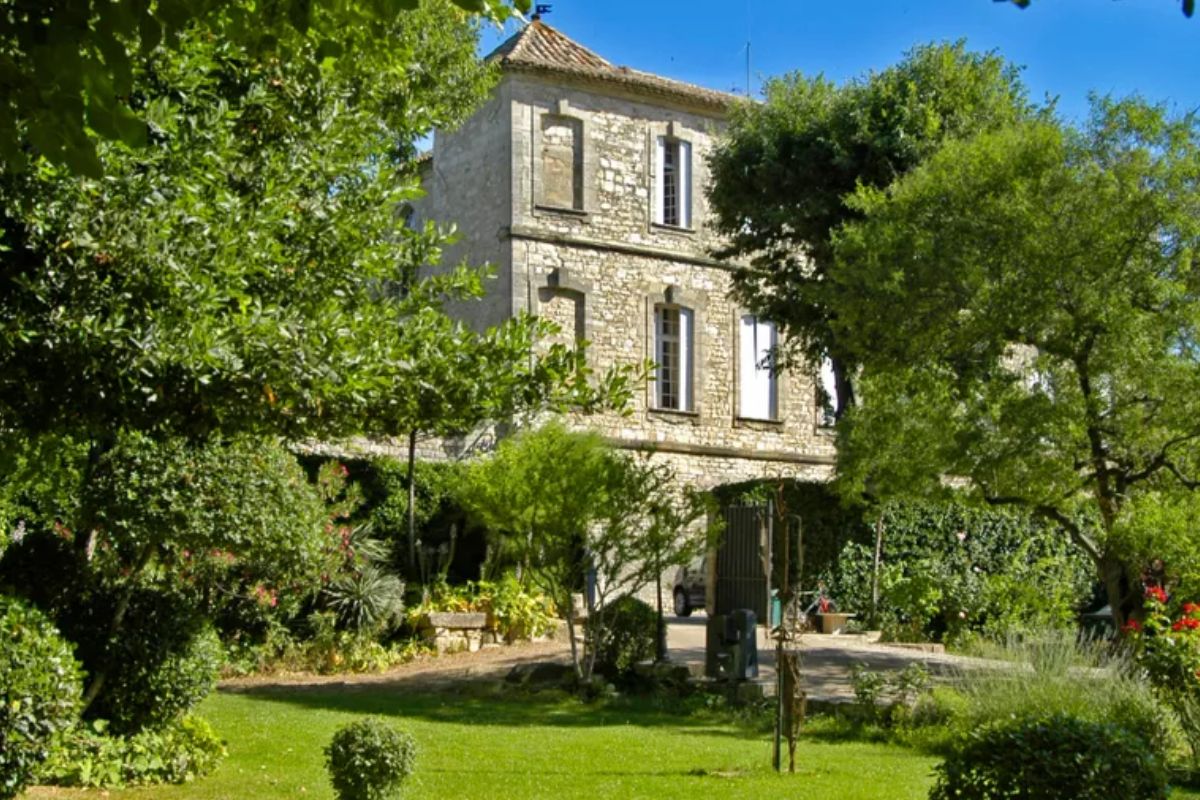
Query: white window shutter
[659,157]
[747,391]
[829,388]
[766,347]
[685,359]
[756,383]
[685,184]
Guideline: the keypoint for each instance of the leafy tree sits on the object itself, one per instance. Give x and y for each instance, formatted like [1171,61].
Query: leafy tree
[1024,305]
[68,70]
[564,503]
[783,170]
[450,379]
[247,272]
[232,276]
[194,528]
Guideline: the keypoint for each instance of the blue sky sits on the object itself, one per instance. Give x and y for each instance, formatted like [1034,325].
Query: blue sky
[1067,47]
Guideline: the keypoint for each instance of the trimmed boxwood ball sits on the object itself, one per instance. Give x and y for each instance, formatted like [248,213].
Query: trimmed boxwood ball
[1050,758]
[369,760]
[40,691]
[627,637]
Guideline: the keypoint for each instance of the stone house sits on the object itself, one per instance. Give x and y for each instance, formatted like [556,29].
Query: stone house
[583,183]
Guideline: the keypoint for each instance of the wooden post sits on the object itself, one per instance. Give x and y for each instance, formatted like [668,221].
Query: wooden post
[875,571]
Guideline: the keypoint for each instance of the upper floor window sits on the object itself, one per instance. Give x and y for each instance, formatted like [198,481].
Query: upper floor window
[673,183]
[757,390]
[561,173]
[827,394]
[673,351]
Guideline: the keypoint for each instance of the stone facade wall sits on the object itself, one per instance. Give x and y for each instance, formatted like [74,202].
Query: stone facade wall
[600,270]
[468,183]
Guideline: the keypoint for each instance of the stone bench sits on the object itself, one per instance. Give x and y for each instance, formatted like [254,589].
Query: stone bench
[454,632]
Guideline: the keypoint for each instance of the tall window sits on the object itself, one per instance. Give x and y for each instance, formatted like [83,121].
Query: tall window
[757,391]
[673,183]
[827,394]
[673,352]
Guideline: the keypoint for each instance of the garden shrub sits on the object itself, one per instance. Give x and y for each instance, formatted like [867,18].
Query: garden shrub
[163,663]
[369,760]
[1048,758]
[627,635]
[1055,674]
[515,612]
[40,691]
[179,752]
[953,572]
[1167,646]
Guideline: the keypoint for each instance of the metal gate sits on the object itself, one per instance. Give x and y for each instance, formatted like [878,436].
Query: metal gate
[744,561]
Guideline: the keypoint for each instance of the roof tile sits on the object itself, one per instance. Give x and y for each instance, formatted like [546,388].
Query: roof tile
[539,48]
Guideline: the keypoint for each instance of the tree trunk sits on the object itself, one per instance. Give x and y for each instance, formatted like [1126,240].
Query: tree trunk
[412,502]
[100,676]
[575,662]
[660,641]
[1113,574]
[875,571]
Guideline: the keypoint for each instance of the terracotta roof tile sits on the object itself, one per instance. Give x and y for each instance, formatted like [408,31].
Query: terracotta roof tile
[539,48]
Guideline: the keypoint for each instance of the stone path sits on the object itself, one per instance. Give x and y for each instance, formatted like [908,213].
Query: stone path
[826,659]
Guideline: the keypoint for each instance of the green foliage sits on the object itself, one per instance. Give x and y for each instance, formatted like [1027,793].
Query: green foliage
[320,646]
[783,171]
[515,611]
[826,524]
[890,697]
[222,520]
[1162,525]
[39,692]
[1056,675]
[1051,757]
[179,752]
[69,73]
[1036,339]
[949,570]
[385,492]
[370,760]
[186,281]
[157,675]
[1166,645]
[626,636]
[560,502]
[367,600]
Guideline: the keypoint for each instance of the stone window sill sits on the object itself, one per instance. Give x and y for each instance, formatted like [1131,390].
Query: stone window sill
[673,229]
[755,423]
[674,415]
[826,430]
[579,213]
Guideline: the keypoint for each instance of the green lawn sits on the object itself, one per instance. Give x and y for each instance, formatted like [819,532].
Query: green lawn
[515,747]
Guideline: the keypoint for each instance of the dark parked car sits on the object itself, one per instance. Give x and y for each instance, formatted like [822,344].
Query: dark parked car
[689,587]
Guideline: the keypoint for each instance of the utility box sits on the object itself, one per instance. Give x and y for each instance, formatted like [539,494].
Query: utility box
[731,649]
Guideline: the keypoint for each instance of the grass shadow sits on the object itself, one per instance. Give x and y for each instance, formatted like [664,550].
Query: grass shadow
[499,705]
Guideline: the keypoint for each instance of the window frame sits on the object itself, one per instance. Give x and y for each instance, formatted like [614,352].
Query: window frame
[750,371]
[683,180]
[684,370]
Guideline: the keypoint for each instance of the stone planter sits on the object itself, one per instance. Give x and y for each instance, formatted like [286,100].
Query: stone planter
[453,632]
[834,622]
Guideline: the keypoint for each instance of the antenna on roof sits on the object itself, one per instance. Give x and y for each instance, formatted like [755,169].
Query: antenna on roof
[540,9]
[748,91]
